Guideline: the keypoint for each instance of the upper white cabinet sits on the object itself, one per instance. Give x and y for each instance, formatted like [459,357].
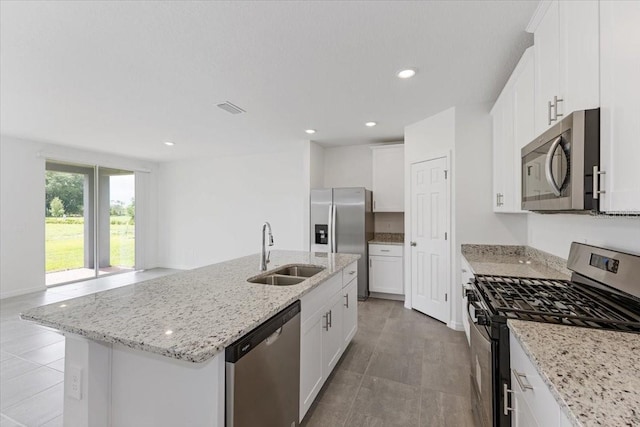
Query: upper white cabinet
[620,106]
[388,178]
[566,44]
[513,128]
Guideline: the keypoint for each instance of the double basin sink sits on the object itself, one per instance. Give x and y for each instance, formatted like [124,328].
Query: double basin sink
[287,275]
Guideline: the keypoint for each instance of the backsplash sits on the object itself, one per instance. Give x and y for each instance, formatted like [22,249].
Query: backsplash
[389,222]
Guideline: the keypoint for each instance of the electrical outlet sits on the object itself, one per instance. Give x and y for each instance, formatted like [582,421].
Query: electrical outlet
[74,376]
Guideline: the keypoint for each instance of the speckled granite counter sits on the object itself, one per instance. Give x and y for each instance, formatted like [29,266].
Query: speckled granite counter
[593,374]
[206,309]
[521,261]
[388,239]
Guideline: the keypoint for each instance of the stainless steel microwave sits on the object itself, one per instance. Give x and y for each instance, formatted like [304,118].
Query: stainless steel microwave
[558,166]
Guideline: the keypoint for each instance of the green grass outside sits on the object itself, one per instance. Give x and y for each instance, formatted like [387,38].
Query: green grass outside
[64,243]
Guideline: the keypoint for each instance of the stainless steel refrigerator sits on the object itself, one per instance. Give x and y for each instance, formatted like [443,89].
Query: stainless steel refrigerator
[342,222]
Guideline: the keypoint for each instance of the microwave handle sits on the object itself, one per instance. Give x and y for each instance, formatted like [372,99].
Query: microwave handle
[548,171]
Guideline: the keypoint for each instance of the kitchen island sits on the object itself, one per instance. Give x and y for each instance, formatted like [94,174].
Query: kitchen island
[152,353]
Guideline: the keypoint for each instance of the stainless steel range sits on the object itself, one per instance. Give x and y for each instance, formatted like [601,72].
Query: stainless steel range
[604,293]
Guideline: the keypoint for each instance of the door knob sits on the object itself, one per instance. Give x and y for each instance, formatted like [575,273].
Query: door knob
[413,244]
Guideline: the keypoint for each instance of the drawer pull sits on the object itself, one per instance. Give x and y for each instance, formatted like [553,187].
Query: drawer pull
[521,378]
[505,399]
[352,272]
[385,250]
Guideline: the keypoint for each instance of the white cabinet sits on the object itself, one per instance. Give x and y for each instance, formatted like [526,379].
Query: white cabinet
[566,59]
[350,312]
[531,399]
[329,321]
[513,124]
[620,106]
[386,269]
[388,178]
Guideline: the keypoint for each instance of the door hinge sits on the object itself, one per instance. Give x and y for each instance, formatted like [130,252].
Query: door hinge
[445,297]
[445,235]
[445,174]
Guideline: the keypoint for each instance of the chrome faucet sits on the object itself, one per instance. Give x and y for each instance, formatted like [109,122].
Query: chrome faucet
[264,256]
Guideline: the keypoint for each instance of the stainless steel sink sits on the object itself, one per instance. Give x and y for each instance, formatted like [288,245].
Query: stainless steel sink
[287,275]
[299,270]
[277,280]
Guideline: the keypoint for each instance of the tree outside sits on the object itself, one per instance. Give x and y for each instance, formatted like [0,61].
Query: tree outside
[56,207]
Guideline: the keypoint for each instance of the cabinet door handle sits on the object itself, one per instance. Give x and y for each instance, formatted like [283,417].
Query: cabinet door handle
[352,272]
[326,324]
[505,399]
[549,112]
[596,183]
[555,108]
[346,296]
[413,244]
[521,378]
[370,263]
[330,320]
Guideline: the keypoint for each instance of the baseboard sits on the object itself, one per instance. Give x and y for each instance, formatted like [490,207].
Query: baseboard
[383,295]
[456,326]
[19,292]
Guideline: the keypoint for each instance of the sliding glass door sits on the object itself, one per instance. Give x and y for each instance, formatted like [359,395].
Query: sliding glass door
[89,222]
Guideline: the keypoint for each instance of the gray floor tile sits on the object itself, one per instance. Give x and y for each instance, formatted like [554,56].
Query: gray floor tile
[356,357]
[56,422]
[323,415]
[40,408]
[449,377]
[4,356]
[14,367]
[385,403]
[46,354]
[442,409]
[403,367]
[26,385]
[340,390]
[25,344]
[7,422]
[58,365]
[17,328]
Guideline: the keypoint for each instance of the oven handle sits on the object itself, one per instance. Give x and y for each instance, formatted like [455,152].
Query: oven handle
[548,170]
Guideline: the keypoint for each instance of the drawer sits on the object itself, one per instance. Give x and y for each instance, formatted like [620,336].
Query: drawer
[349,273]
[385,250]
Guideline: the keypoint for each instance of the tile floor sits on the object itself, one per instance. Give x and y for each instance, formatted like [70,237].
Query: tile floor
[32,356]
[402,369]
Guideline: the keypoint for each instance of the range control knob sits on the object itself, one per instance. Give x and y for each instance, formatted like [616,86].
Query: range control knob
[482,319]
[471,296]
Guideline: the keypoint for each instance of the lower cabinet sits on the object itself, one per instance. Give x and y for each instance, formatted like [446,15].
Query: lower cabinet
[329,323]
[386,269]
[531,400]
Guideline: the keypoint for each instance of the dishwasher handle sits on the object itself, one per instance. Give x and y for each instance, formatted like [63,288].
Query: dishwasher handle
[269,331]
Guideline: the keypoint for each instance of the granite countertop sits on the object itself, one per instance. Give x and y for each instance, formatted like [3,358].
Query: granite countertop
[191,315]
[593,374]
[520,261]
[388,239]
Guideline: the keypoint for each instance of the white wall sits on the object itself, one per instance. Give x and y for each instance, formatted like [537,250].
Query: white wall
[316,165]
[22,177]
[350,166]
[554,233]
[212,209]
[388,222]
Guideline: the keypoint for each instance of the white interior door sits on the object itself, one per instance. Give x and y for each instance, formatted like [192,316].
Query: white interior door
[429,238]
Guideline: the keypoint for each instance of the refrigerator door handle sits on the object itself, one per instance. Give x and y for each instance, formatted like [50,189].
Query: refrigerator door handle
[334,244]
[330,230]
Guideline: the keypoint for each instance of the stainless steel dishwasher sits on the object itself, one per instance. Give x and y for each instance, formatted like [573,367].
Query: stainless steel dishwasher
[263,374]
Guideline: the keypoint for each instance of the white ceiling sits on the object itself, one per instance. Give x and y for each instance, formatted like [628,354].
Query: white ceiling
[123,77]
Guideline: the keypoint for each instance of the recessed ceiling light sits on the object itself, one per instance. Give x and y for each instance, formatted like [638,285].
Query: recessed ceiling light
[370,124]
[169,143]
[407,74]
[310,131]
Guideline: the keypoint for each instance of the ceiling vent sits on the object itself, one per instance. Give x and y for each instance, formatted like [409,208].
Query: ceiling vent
[230,108]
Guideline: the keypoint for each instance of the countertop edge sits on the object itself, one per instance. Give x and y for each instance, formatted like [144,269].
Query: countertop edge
[564,406]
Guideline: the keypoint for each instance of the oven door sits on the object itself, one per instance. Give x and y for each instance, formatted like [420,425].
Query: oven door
[481,374]
[546,175]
